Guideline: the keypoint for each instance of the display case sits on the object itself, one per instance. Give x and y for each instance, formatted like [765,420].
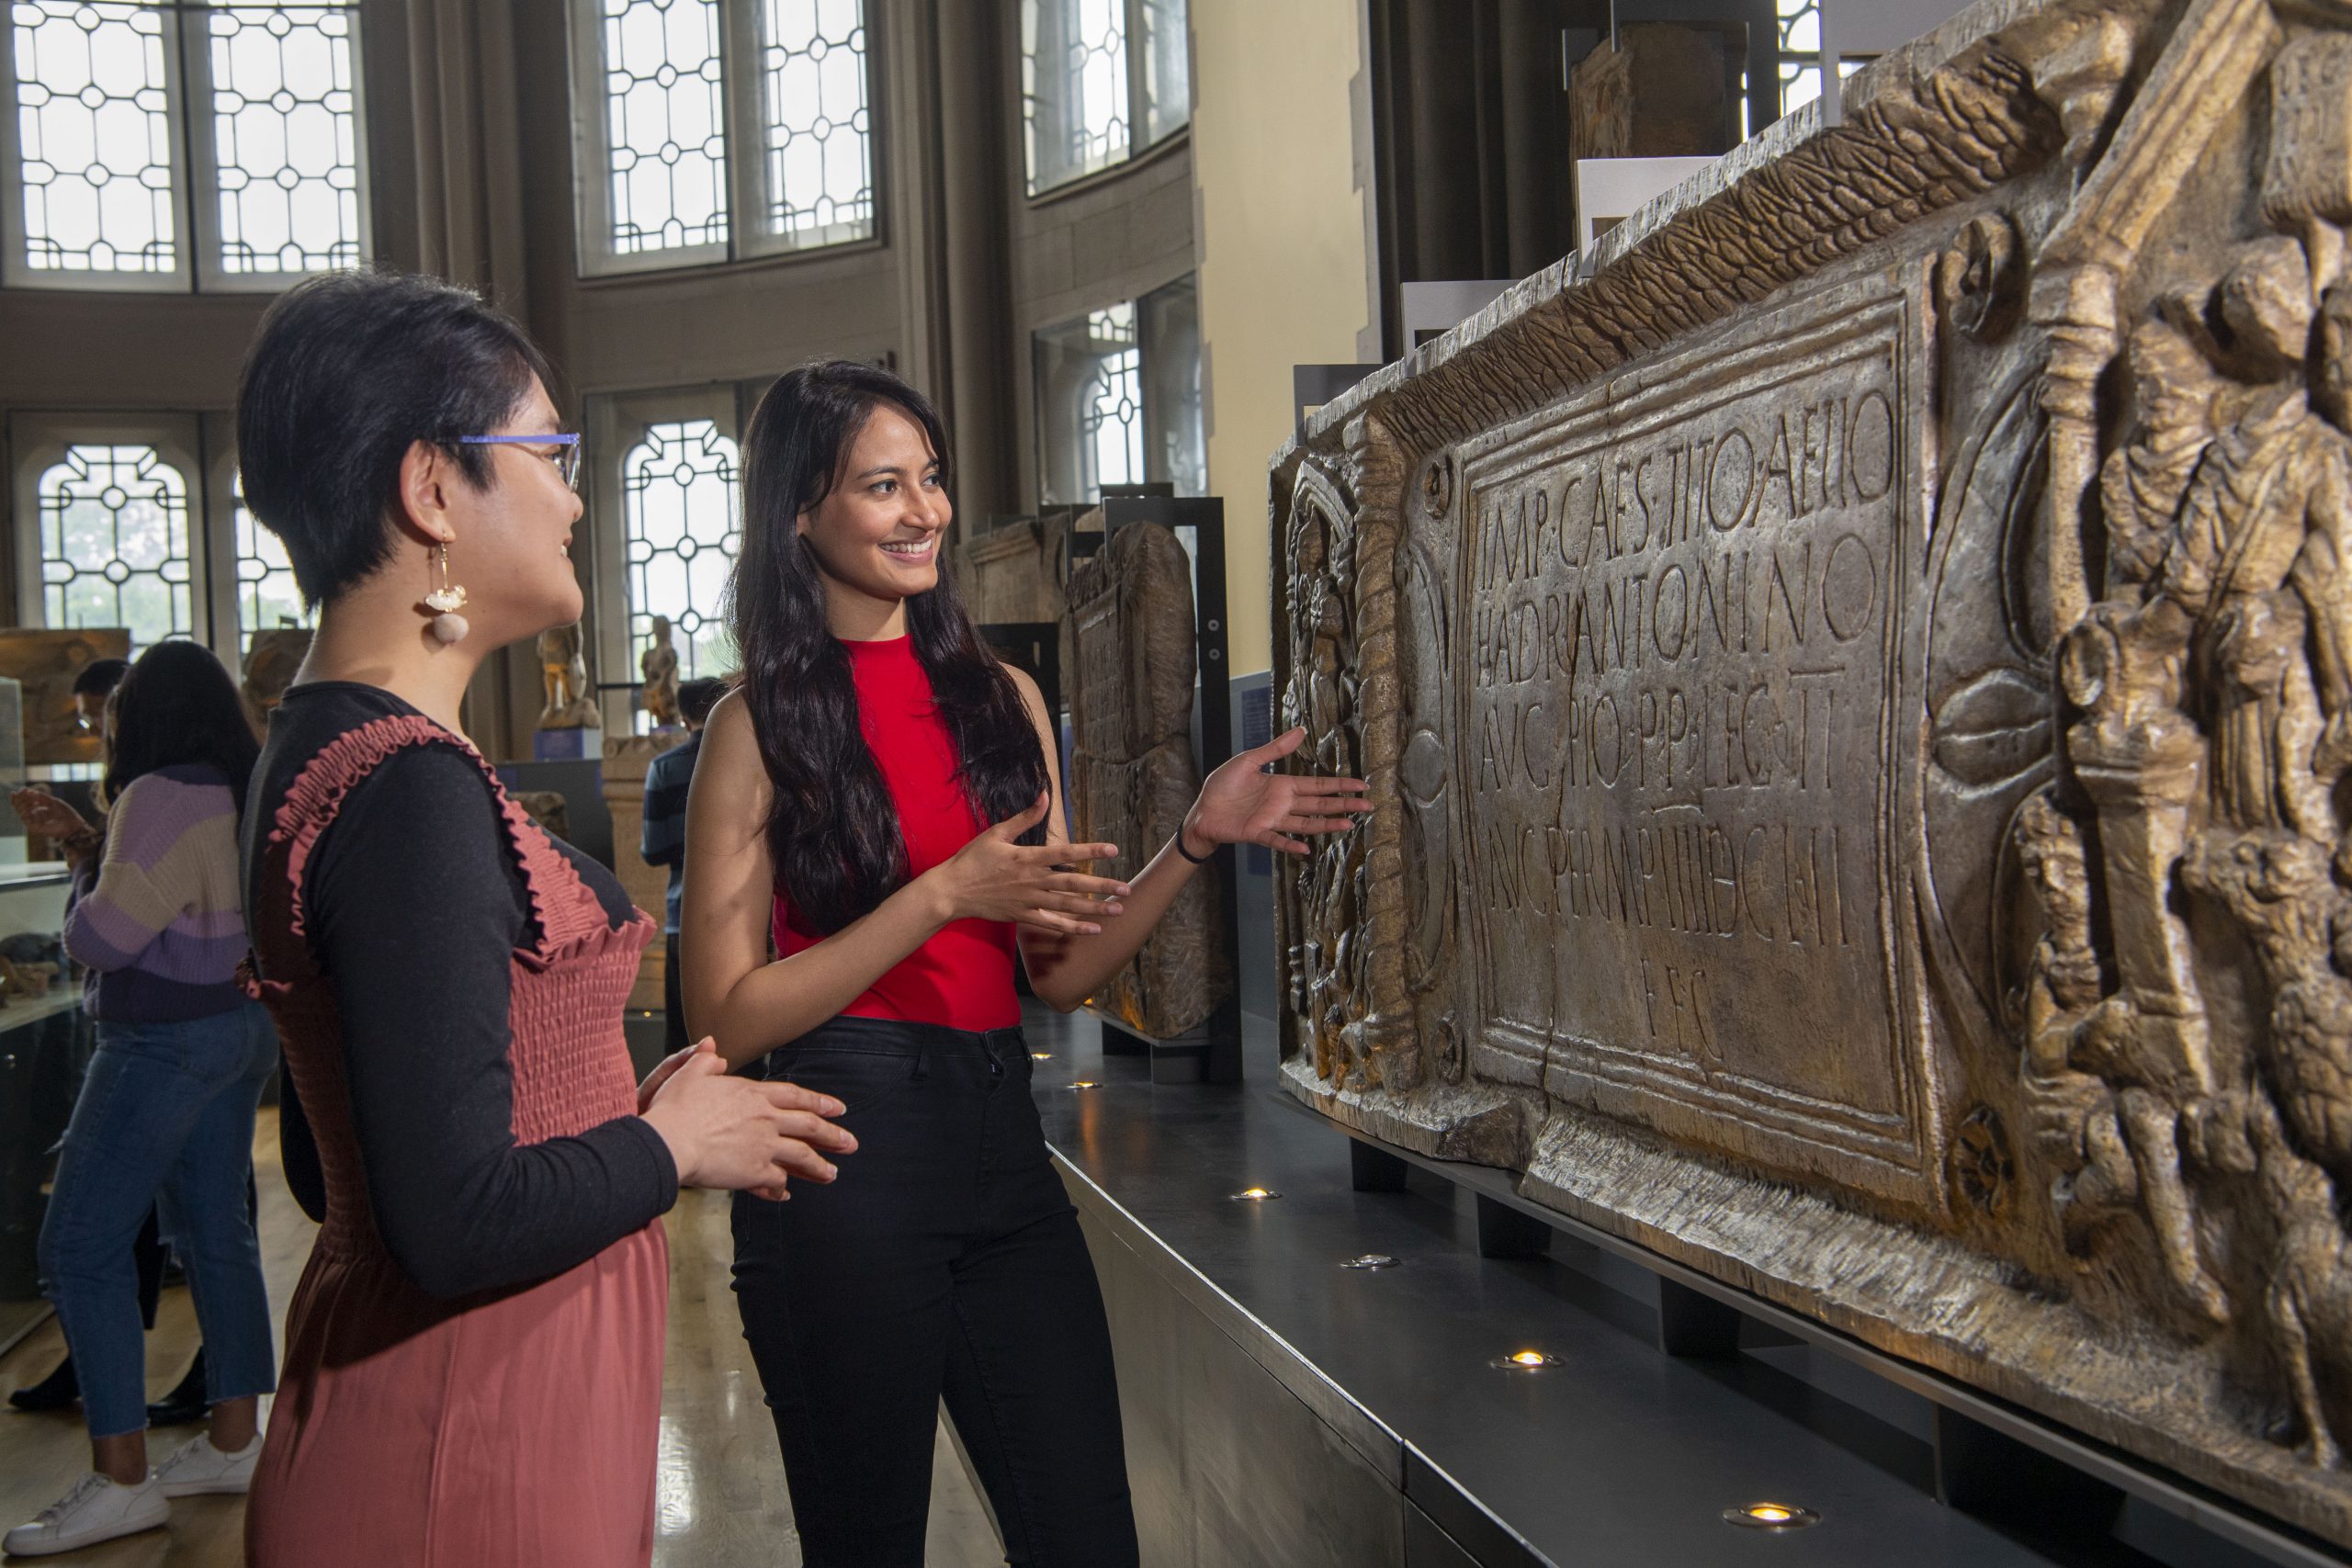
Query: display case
[43,1045]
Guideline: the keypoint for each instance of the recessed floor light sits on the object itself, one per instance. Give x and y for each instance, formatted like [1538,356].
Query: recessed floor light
[1255,1195]
[1085,1083]
[1770,1516]
[1526,1361]
[1041,1056]
[1372,1260]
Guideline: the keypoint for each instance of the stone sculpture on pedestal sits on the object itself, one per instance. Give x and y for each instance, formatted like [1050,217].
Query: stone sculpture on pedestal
[659,665]
[1859,673]
[565,674]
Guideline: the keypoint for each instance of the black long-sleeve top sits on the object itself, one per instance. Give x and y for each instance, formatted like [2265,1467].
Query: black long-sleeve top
[414,904]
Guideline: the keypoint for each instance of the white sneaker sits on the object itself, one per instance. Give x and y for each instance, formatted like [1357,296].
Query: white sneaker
[97,1509]
[198,1468]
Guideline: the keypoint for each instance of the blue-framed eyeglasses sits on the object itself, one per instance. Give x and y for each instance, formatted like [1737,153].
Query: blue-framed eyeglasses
[567,450]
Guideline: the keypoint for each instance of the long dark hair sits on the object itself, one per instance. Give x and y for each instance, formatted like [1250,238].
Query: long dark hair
[177,708]
[833,831]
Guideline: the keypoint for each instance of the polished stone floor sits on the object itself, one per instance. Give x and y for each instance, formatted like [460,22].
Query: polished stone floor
[721,1499]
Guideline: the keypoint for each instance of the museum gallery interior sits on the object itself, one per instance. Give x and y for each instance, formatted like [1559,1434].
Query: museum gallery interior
[1715,637]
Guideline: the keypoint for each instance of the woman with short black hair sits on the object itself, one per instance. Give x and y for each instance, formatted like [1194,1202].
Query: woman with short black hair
[165,1115]
[881,798]
[473,1360]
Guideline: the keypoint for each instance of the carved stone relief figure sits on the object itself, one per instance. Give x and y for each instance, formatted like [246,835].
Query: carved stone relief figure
[1320,694]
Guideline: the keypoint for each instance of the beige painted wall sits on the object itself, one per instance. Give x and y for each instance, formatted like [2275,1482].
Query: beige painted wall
[1281,230]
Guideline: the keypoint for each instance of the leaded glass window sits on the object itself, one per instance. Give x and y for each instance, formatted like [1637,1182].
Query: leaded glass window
[728,128]
[1800,52]
[285,138]
[1118,397]
[681,529]
[114,542]
[95,136]
[1100,79]
[266,596]
[1110,404]
[1164,58]
[665,116]
[817,145]
[102,188]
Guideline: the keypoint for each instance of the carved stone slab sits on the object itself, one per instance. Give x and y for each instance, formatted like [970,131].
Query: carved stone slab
[1128,660]
[1015,571]
[1858,678]
[1678,663]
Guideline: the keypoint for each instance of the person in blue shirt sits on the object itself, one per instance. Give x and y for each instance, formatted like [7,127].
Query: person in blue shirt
[664,839]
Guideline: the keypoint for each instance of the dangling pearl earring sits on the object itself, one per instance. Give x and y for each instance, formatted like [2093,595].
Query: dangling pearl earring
[445,602]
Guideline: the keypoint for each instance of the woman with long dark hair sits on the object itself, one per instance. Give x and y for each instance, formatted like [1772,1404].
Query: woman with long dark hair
[473,1358]
[165,1116]
[880,799]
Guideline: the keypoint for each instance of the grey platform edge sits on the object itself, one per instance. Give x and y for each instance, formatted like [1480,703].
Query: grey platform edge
[1992,1458]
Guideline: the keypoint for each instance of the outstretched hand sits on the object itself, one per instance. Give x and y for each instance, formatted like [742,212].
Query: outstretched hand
[1246,801]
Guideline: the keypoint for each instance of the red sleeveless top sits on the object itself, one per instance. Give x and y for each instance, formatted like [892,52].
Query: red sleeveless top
[962,978]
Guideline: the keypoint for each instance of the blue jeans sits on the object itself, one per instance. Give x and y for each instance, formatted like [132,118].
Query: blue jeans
[166,1117]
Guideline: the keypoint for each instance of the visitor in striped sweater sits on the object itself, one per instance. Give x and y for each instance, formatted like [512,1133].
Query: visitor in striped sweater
[166,1110]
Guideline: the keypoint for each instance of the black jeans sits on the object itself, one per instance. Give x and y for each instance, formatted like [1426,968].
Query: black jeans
[673,999]
[946,1260]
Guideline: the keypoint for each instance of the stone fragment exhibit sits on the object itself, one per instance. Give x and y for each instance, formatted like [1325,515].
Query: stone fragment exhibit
[1128,666]
[1858,670]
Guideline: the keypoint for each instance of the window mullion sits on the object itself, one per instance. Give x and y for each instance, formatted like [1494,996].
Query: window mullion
[740,84]
[13,260]
[1132,45]
[200,150]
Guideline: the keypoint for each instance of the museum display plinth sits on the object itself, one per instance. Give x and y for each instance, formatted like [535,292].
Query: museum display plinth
[1283,1410]
[42,1050]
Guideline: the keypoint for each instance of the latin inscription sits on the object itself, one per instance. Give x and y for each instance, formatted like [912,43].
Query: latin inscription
[1678,619]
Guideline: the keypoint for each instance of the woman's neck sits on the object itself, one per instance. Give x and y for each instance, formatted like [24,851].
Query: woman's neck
[370,639]
[860,618]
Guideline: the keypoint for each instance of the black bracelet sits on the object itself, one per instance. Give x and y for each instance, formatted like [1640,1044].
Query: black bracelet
[1196,860]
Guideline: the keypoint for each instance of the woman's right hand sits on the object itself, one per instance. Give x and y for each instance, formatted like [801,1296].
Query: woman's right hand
[740,1134]
[994,879]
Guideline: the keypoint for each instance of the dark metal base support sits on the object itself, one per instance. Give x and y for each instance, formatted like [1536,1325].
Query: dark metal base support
[1983,1472]
[1211,1054]
[1692,1323]
[1505,1233]
[1374,1170]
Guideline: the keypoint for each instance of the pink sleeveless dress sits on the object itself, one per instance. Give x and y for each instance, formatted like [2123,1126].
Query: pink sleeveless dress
[516,1427]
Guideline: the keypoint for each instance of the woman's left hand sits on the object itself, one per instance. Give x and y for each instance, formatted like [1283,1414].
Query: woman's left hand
[44,814]
[1246,801]
[667,1069]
